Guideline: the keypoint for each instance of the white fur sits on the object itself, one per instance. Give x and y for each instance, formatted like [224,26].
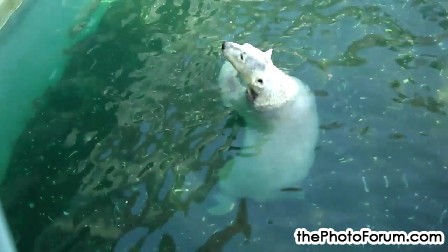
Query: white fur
[281,133]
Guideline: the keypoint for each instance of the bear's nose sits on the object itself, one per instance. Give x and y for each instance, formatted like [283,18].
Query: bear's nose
[223,46]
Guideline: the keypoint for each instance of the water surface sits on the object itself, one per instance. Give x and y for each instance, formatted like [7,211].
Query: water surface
[122,153]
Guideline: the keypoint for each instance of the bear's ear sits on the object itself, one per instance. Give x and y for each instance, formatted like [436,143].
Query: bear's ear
[268,53]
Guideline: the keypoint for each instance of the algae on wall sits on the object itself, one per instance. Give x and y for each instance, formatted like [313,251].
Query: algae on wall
[7,8]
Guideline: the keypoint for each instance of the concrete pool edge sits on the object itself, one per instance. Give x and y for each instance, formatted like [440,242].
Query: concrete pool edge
[7,9]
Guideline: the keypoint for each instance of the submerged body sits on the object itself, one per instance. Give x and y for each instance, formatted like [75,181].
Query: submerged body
[281,131]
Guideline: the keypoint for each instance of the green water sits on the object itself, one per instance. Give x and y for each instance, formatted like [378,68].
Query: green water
[121,154]
[33,58]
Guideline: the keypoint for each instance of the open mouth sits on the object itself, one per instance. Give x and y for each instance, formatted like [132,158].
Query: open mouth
[251,94]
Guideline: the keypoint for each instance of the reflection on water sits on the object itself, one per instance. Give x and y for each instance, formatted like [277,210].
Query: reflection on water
[122,154]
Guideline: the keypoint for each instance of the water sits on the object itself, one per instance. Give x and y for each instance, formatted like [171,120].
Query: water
[35,45]
[121,154]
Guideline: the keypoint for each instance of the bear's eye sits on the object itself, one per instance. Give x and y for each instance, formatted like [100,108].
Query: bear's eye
[260,81]
[241,56]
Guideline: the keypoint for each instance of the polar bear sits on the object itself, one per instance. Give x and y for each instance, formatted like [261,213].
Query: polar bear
[281,129]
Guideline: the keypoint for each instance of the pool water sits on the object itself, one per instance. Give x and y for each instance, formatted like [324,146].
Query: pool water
[32,44]
[122,152]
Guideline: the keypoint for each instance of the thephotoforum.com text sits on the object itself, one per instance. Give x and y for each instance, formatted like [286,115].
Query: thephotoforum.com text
[366,236]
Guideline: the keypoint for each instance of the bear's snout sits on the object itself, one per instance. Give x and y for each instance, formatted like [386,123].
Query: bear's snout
[223,45]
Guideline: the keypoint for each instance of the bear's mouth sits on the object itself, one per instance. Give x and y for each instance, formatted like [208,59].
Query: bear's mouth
[251,94]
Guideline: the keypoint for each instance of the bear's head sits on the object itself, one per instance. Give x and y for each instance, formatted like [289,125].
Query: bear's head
[267,86]
[247,60]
